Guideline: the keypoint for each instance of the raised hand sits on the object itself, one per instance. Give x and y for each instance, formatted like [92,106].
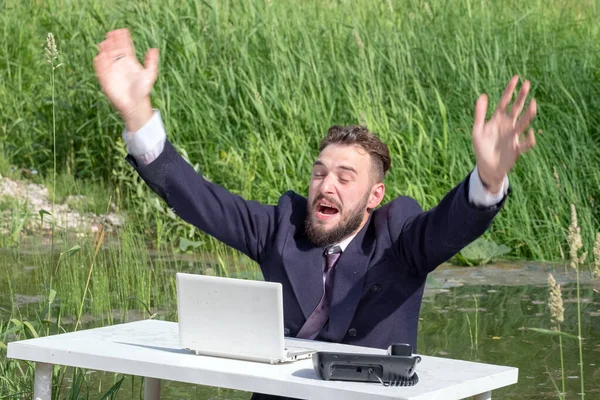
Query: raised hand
[126,83]
[498,142]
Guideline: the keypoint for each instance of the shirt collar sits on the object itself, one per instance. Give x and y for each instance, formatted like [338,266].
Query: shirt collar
[344,243]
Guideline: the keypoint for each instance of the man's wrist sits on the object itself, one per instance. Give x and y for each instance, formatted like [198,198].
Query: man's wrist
[492,185]
[494,188]
[137,117]
[481,196]
[146,144]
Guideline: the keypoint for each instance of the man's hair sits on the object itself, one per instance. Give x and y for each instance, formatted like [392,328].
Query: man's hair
[358,135]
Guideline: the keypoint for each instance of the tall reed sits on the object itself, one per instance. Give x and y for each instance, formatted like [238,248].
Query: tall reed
[596,270]
[52,58]
[576,261]
[557,314]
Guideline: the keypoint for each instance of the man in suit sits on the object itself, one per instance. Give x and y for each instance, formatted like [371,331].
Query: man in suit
[352,271]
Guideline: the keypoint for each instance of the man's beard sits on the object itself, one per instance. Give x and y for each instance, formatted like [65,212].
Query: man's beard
[323,238]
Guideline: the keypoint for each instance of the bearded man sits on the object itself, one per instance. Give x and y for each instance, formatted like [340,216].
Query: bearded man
[352,271]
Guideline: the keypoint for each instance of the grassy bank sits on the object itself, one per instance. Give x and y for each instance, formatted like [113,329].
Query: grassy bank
[90,282]
[248,88]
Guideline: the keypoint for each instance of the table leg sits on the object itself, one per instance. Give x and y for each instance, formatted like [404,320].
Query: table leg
[42,382]
[151,388]
[483,396]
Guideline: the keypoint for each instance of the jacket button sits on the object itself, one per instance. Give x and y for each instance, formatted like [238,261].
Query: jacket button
[286,332]
[352,332]
[375,288]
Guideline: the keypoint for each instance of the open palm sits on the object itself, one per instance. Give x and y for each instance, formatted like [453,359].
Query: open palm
[497,143]
[126,83]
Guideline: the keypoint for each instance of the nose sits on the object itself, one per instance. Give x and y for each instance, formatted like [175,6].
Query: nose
[327,185]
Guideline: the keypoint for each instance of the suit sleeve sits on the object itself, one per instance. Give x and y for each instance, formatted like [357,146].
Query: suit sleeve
[247,226]
[424,240]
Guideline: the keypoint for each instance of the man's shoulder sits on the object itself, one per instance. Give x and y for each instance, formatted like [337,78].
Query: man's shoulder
[291,206]
[291,199]
[401,206]
[392,216]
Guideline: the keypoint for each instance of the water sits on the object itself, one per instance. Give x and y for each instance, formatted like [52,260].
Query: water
[512,300]
[477,314]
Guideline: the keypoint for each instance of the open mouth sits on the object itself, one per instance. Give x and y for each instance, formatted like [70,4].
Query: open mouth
[326,209]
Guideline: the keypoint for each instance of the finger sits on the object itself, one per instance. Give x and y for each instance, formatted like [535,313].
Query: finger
[111,35]
[118,43]
[507,95]
[480,111]
[105,45]
[526,118]
[111,39]
[124,42]
[100,61]
[527,143]
[101,65]
[151,63]
[517,106]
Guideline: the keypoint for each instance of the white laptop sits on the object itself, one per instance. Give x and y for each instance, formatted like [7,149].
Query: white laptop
[234,318]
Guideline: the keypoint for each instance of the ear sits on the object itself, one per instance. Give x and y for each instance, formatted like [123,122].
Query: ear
[376,196]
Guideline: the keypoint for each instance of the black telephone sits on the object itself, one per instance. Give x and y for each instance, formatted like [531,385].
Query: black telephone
[397,368]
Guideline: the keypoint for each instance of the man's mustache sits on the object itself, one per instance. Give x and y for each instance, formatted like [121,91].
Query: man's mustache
[329,200]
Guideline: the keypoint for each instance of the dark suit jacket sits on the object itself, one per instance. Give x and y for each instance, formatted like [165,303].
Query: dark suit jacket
[380,276]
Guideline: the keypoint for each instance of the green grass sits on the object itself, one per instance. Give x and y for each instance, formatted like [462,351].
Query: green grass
[82,195]
[14,214]
[90,282]
[247,89]
[4,163]
[16,376]
[6,202]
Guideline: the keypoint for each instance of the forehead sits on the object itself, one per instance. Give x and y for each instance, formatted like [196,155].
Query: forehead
[336,156]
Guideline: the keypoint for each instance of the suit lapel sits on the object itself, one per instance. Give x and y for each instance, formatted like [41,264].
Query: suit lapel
[350,273]
[304,266]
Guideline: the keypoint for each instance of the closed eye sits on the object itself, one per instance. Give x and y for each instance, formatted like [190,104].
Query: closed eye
[319,172]
[345,178]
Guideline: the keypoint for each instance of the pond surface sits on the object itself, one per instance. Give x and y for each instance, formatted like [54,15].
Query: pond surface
[471,313]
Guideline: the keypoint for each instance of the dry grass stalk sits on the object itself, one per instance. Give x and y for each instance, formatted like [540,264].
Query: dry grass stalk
[51,50]
[555,303]
[596,270]
[574,240]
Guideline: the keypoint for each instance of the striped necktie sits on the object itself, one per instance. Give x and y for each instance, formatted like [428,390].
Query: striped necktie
[317,320]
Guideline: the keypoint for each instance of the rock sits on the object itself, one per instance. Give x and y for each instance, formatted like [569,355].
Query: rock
[31,198]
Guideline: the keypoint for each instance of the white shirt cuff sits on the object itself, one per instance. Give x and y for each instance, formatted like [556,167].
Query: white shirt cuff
[146,144]
[479,195]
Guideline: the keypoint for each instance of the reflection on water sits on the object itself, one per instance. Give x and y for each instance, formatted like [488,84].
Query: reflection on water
[503,314]
[477,314]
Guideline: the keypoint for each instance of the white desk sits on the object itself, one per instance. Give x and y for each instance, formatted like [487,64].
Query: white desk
[151,349]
